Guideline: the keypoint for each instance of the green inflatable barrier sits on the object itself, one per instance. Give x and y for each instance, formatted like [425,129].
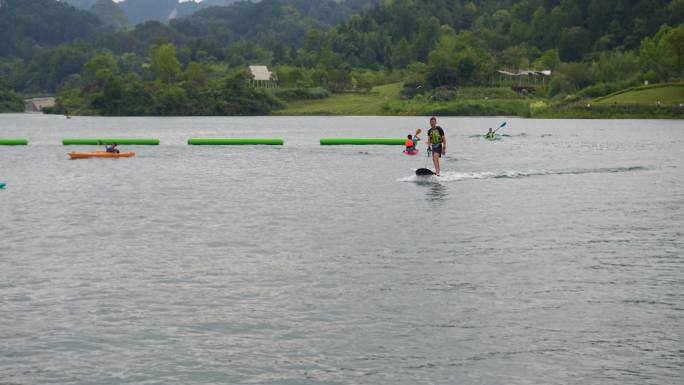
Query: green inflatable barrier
[362,141]
[234,141]
[105,141]
[13,142]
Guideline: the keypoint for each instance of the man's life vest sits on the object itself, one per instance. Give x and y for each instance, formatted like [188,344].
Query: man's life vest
[435,136]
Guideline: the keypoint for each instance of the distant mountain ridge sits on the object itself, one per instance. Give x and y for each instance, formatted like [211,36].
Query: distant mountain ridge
[110,13]
[25,23]
[29,25]
[281,21]
[140,11]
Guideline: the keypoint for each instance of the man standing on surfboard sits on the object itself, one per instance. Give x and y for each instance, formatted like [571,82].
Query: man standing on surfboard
[436,142]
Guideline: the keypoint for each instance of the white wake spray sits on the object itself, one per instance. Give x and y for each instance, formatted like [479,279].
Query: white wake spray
[452,176]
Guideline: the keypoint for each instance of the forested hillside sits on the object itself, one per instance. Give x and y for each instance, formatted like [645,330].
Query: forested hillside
[47,42]
[110,14]
[139,11]
[592,47]
[27,23]
[463,43]
[276,22]
[10,101]
[82,4]
[528,27]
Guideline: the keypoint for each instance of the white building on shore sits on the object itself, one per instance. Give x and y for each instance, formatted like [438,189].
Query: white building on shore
[262,77]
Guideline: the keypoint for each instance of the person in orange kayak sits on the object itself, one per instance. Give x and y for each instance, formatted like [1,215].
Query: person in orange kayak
[113,149]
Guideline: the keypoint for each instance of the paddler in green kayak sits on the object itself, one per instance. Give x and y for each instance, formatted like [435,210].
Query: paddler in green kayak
[489,135]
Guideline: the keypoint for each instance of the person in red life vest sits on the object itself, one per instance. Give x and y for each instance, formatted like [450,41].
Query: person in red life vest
[410,144]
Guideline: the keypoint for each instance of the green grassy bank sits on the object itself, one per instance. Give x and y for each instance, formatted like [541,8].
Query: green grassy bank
[346,103]
[632,103]
[668,94]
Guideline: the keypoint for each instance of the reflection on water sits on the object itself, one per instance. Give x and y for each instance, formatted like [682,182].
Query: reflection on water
[437,192]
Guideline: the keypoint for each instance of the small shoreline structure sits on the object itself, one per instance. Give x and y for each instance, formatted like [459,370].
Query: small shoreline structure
[36,105]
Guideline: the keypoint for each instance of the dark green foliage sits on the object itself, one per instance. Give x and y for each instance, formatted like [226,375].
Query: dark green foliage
[412,88]
[443,94]
[139,11]
[602,89]
[110,13]
[25,24]
[383,36]
[48,69]
[10,101]
[282,21]
[189,7]
[170,100]
[235,97]
[105,92]
[573,42]
[154,32]
[82,4]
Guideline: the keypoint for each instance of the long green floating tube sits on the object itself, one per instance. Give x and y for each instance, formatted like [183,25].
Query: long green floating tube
[103,141]
[362,141]
[234,141]
[13,142]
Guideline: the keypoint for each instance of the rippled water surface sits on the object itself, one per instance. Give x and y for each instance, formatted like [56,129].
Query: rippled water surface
[552,256]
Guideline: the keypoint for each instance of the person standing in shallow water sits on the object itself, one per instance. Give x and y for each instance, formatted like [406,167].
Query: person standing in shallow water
[436,143]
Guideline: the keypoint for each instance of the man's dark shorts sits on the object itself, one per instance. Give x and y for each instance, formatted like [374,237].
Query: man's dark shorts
[437,149]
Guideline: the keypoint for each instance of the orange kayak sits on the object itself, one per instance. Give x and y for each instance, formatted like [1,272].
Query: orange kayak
[100,154]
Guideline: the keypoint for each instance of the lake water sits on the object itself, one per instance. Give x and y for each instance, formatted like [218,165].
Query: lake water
[552,256]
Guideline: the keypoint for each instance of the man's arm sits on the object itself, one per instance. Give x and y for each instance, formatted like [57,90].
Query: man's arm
[444,140]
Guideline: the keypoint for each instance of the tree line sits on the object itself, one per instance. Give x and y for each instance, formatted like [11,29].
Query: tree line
[593,47]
